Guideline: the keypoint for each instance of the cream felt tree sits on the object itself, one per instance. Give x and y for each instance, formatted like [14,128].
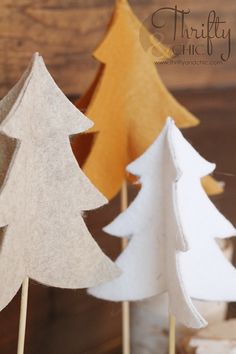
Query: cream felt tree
[171,226]
[128,102]
[45,192]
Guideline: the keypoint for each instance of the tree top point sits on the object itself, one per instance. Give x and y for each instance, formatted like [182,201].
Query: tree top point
[36,104]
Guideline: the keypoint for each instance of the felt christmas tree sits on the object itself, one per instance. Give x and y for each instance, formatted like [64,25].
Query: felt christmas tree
[171,226]
[45,192]
[128,102]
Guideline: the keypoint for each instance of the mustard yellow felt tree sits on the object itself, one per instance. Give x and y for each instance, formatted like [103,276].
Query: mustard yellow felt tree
[128,102]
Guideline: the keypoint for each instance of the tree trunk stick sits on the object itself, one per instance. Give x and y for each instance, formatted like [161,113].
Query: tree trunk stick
[23,316]
[172,335]
[125,304]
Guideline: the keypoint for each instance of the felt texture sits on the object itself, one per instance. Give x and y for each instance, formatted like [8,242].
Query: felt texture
[45,192]
[214,276]
[171,226]
[128,101]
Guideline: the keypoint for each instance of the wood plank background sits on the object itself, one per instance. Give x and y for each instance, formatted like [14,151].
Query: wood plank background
[66,32]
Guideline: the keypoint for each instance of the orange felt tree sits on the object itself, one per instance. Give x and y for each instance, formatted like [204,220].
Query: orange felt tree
[128,103]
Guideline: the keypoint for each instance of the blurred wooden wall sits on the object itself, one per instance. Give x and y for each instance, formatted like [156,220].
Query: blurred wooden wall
[66,32]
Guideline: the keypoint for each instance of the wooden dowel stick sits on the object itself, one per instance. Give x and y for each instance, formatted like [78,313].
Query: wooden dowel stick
[172,335]
[125,304]
[23,316]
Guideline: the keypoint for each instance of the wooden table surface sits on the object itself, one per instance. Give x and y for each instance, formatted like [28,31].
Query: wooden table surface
[70,322]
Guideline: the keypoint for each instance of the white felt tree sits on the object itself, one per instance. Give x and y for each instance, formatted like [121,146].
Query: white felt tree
[171,226]
[45,192]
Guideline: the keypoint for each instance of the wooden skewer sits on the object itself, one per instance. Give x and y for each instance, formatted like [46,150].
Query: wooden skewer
[172,335]
[125,304]
[23,316]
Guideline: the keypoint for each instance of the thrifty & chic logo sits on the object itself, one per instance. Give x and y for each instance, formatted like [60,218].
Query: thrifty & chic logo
[207,42]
